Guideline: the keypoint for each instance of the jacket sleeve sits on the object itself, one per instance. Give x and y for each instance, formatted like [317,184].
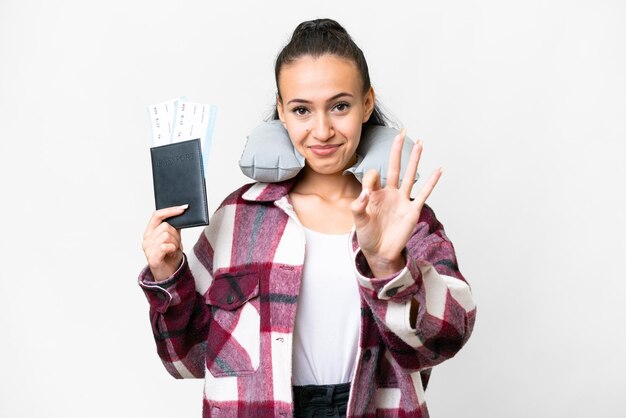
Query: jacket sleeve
[446,309]
[179,314]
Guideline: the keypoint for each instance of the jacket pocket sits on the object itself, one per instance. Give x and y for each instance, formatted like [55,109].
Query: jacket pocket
[233,344]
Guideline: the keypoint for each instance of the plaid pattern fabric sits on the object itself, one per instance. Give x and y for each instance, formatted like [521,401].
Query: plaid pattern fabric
[227,314]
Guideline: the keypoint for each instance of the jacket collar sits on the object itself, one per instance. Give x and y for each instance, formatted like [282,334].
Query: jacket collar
[268,192]
[273,192]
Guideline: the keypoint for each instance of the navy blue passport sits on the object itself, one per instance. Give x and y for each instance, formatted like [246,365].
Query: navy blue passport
[178,179]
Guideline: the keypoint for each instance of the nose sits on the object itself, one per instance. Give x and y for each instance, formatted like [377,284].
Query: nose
[323,128]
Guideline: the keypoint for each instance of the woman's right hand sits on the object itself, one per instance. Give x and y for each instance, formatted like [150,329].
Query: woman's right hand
[162,244]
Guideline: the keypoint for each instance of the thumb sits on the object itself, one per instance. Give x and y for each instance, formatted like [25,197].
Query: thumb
[370,182]
[358,207]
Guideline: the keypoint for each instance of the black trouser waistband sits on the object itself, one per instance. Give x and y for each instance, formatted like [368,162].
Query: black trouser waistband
[313,400]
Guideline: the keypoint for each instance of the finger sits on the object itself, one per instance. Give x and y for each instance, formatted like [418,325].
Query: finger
[160,252]
[359,206]
[411,169]
[162,227]
[156,236]
[162,214]
[371,180]
[163,237]
[168,236]
[423,194]
[395,158]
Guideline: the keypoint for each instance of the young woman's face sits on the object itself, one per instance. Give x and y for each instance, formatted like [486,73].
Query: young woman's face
[323,107]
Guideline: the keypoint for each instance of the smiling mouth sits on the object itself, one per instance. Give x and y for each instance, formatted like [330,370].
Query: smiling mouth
[323,150]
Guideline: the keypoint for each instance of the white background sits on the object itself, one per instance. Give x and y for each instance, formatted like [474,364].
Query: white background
[523,103]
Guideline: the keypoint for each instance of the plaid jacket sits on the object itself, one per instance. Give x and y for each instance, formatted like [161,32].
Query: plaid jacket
[227,314]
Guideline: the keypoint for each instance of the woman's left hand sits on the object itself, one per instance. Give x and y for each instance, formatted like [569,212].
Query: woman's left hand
[385,217]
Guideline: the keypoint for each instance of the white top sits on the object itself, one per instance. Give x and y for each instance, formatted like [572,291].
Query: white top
[326,333]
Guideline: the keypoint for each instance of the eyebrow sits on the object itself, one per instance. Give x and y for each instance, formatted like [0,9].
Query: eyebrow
[335,97]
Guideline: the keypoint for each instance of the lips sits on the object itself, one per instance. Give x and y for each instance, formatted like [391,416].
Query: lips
[323,150]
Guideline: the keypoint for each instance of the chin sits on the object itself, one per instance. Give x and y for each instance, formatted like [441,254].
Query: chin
[327,169]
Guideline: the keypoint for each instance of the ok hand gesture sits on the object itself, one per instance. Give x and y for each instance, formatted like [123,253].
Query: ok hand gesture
[385,217]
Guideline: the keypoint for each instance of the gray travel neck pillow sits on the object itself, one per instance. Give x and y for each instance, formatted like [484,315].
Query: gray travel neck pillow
[270,157]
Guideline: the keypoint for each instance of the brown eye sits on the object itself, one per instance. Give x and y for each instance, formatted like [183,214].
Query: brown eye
[342,107]
[300,111]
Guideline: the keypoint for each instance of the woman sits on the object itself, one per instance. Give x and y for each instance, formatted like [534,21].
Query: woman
[349,326]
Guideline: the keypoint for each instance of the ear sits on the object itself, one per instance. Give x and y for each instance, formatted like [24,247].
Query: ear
[369,100]
[281,110]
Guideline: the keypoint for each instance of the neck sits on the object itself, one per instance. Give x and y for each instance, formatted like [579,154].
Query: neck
[328,186]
